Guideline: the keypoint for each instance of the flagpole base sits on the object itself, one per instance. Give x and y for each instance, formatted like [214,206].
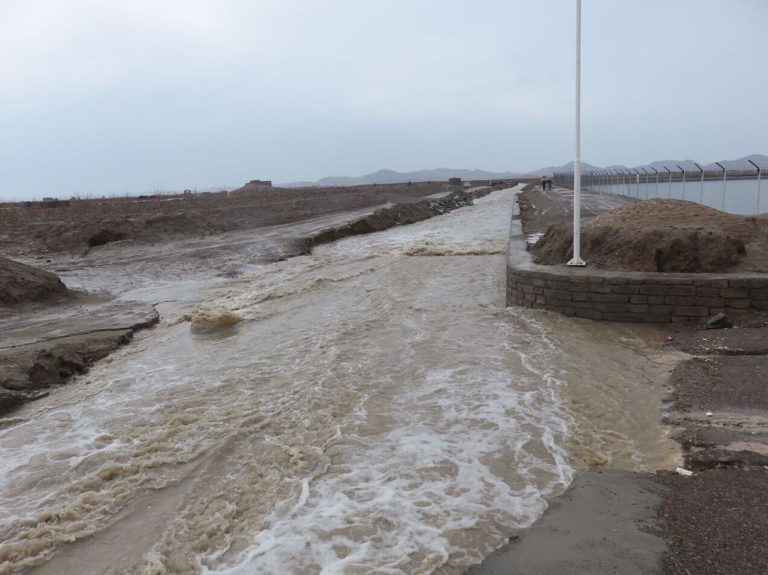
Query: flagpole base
[577,262]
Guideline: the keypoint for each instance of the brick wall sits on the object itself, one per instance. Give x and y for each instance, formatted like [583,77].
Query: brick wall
[631,296]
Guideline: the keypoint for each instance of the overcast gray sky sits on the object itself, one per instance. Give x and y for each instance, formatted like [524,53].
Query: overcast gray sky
[104,97]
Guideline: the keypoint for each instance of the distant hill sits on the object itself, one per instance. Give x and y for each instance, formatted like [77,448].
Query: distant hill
[394,177]
[442,174]
[567,167]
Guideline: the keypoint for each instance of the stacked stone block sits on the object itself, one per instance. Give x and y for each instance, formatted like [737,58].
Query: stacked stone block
[633,296]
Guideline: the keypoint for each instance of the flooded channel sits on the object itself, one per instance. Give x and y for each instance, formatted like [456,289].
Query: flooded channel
[373,408]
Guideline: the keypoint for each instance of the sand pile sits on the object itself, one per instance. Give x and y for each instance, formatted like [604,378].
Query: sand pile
[21,283]
[665,236]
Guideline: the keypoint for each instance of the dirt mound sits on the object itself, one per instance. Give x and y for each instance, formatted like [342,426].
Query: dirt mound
[665,236]
[84,224]
[21,283]
[397,215]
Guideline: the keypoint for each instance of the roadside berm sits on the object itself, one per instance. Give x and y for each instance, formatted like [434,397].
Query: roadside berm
[662,236]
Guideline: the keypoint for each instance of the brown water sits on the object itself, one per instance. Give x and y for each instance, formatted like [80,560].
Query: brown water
[374,408]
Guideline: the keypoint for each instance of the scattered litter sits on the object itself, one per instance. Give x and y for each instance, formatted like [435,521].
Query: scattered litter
[669,338]
[683,472]
[718,321]
[709,414]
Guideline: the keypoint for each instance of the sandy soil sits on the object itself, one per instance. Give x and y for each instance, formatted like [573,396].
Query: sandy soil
[80,225]
[663,236]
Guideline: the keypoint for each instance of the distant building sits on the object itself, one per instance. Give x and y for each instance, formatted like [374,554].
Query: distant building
[454,181]
[252,188]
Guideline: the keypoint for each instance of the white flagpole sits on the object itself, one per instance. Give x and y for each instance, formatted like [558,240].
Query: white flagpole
[577,261]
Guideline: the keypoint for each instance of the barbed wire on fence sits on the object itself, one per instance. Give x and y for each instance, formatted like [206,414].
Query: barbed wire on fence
[735,191]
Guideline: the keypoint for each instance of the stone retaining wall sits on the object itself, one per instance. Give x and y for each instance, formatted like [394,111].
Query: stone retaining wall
[634,296]
[628,296]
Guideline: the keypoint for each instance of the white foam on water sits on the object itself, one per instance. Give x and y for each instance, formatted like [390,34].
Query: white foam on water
[434,473]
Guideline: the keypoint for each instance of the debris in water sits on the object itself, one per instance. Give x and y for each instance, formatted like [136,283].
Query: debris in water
[214,320]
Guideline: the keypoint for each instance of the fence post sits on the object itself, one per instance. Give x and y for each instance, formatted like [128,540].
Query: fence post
[757,210]
[725,177]
[669,187]
[701,191]
[646,182]
[637,181]
[656,194]
[683,170]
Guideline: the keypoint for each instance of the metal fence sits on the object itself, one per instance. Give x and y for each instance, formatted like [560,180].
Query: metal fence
[735,191]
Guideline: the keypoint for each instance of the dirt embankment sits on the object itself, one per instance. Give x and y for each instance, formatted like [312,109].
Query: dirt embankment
[398,215]
[79,225]
[28,370]
[45,343]
[20,284]
[663,236]
[48,345]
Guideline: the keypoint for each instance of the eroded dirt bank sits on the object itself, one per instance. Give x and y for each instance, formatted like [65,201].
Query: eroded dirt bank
[44,345]
[23,284]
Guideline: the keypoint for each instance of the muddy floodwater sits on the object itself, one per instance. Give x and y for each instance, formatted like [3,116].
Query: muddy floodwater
[370,408]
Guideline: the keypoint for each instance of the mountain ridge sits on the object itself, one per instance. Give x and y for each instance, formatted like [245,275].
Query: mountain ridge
[388,176]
